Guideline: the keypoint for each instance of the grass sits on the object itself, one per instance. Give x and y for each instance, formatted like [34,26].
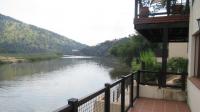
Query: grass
[16,58]
[9,59]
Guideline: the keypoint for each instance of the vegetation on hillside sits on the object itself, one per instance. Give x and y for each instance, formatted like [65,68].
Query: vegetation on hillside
[17,37]
[103,49]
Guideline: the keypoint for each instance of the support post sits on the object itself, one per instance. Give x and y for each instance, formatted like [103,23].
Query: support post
[168,7]
[138,84]
[159,75]
[74,103]
[107,98]
[123,94]
[131,90]
[136,8]
[164,56]
[183,79]
[142,74]
[187,7]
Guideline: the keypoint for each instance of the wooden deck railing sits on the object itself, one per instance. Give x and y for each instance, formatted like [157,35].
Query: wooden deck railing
[154,8]
[118,96]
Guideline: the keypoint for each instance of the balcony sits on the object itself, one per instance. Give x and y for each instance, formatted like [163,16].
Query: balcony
[155,105]
[133,93]
[152,16]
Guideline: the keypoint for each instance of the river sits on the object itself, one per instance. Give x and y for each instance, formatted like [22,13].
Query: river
[47,85]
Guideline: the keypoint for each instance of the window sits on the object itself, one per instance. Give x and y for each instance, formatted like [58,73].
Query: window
[197,56]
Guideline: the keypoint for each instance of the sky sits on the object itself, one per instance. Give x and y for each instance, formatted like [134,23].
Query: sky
[87,21]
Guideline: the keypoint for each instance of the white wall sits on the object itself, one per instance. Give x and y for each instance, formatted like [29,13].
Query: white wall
[193,91]
[193,97]
[178,50]
[162,93]
[193,27]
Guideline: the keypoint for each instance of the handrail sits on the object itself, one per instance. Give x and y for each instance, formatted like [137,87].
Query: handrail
[66,108]
[115,83]
[89,97]
[171,73]
[118,81]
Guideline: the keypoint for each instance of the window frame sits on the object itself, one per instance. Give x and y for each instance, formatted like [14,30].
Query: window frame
[197,55]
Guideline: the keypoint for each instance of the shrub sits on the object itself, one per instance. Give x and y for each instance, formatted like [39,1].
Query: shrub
[149,60]
[177,64]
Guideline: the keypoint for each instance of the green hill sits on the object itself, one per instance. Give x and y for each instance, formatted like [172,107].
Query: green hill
[19,37]
[103,49]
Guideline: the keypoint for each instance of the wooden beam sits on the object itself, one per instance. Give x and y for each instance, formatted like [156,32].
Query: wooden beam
[162,25]
[162,19]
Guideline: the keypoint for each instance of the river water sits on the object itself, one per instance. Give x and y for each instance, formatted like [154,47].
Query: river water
[47,85]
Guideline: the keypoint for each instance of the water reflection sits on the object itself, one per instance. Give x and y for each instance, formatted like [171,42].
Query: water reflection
[46,85]
[14,71]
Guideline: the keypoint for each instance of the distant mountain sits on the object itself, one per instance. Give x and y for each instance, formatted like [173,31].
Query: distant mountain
[19,37]
[103,49]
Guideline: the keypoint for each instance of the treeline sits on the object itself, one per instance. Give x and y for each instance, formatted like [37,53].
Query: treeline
[132,49]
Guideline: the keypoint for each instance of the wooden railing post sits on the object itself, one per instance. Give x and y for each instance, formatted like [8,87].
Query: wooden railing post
[136,8]
[123,94]
[138,84]
[164,55]
[183,80]
[131,90]
[187,7]
[159,74]
[168,7]
[107,98]
[74,103]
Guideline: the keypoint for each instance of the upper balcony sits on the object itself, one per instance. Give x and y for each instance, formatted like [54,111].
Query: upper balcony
[151,16]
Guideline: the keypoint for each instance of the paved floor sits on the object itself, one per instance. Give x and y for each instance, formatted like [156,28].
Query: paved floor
[153,105]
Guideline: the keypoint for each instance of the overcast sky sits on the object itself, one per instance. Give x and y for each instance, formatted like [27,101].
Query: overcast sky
[86,21]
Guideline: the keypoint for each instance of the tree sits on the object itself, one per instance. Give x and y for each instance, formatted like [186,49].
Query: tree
[132,48]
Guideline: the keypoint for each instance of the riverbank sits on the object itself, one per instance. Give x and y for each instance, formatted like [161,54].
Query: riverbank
[9,59]
[17,58]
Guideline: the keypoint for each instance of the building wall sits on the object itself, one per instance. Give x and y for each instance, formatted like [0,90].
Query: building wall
[178,50]
[193,27]
[193,97]
[162,93]
[193,91]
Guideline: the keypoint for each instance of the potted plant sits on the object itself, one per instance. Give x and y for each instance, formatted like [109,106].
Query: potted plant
[144,8]
[176,8]
[157,5]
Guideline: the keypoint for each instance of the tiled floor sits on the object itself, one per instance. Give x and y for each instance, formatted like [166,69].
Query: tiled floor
[153,105]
